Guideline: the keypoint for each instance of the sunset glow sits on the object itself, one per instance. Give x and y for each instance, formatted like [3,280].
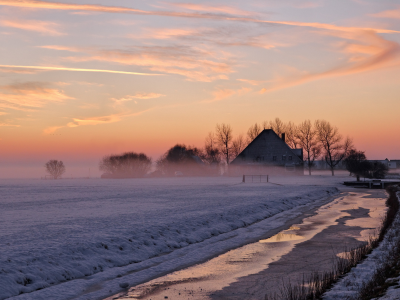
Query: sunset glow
[84,79]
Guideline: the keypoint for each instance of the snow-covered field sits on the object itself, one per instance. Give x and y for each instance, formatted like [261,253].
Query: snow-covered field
[69,237]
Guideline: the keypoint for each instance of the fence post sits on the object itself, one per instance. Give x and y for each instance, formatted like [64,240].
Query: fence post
[267,178]
[244,179]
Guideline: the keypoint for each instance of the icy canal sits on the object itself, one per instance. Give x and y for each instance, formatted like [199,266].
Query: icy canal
[260,268]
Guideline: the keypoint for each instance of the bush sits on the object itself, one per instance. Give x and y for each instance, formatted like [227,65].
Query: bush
[126,165]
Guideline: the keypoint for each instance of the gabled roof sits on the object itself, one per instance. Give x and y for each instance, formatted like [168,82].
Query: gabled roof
[271,138]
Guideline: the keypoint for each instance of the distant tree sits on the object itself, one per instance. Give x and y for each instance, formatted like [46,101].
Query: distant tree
[55,168]
[278,126]
[291,135]
[126,165]
[224,137]
[334,150]
[379,170]
[357,164]
[253,132]
[181,158]
[307,137]
[211,154]
[238,144]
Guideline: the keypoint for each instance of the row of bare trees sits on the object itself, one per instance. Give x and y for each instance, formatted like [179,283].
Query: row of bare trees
[318,140]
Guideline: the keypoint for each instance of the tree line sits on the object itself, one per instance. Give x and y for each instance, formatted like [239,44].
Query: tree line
[318,139]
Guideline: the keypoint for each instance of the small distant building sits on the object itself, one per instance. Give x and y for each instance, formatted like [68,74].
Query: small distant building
[395,164]
[269,154]
[392,164]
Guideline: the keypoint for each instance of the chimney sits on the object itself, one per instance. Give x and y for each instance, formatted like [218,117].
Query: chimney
[284,137]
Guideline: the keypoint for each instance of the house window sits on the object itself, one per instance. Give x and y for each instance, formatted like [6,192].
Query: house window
[274,158]
[283,157]
[290,157]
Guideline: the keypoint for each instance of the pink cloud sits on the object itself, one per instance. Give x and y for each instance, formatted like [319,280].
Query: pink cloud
[365,50]
[48,28]
[30,95]
[389,14]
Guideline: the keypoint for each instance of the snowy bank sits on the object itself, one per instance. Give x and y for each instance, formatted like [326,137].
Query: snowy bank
[54,232]
[350,285]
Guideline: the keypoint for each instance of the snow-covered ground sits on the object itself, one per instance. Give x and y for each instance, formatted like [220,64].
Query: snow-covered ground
[67,237]
[349,286]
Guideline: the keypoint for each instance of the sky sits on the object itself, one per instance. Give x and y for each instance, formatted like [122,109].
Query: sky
[83,79]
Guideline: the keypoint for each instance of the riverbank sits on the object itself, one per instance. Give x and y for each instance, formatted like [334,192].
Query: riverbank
[256,269]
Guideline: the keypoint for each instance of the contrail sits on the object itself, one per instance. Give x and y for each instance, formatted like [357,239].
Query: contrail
[77,70]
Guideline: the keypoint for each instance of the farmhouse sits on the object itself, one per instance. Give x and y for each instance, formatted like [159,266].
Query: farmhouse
[269,154]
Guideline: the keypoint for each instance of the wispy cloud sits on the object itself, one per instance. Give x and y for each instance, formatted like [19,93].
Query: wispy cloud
[92,121]
[95,120]
[213,8]
[137,96]
[76,70]
[66,6]
[206,15]
[365,51]
[254,82]
[222,36]
[43,27]
[29,95]
[61,48]
[8,125]
[389,14]
[51,130]
[221,94]
[194,63]
[18,70]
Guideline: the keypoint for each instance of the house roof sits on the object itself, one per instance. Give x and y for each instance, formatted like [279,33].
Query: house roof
[266,138]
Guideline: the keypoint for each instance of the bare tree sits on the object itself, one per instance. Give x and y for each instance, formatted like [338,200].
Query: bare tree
[223,137]
[334,150]
[55,168]
[253,132]
[291,135]
[266,125]
[238,145]
[211,151]
[307,137]
[278,126]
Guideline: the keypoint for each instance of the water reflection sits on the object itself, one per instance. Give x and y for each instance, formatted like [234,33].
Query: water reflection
[201,281]
[284,236]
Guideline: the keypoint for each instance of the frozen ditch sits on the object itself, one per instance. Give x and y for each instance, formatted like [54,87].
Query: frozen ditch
[256,269]
[79,239]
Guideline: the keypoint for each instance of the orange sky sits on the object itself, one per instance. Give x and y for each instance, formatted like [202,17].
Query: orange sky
[82,80]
